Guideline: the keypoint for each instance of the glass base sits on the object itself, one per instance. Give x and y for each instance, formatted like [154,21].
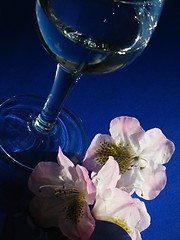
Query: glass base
[20,142]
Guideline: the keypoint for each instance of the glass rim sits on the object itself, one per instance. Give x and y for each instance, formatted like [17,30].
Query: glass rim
[137,1]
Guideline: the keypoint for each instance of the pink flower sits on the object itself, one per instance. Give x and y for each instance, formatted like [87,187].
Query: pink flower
[140,155]
[117,206]
[62,195]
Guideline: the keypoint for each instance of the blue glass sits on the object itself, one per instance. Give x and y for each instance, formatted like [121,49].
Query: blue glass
[35,143]
[92,36]
[96,36]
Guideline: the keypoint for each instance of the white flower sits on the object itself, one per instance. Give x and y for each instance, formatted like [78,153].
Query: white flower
[62,195]
[117,206]
[140,155]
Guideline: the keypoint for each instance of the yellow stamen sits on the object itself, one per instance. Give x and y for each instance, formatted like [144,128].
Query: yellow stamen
[122,153]
[75,209]
[121,223]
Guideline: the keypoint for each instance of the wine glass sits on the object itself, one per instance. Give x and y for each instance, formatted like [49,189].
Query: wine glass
[93,37]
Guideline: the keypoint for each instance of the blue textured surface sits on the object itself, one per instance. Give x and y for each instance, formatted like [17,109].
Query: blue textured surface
[148,89]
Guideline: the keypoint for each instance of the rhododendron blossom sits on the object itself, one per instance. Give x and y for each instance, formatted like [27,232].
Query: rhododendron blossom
[62,195]
[115,166]
[140,155]
[115,205]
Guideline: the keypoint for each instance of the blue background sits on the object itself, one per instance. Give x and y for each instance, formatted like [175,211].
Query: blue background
[148,89]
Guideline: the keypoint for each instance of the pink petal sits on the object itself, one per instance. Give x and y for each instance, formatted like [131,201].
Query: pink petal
[89,161]
[151,182]
[107,176]
[51,212]
[144,216]
[125,129]
[46,211]
[147,182]
[111,202]
[156,147]
[80,231]
[127,181]
[117,206]
[86,184]
[45,173]
[68,170]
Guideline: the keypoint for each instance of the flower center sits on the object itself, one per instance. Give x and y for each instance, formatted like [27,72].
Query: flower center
[122,153]
[75,200]
[75,208]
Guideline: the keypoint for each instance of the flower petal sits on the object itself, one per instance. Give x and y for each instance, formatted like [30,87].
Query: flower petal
[107,176]
[82,230]
[144,216]
[125,129]
[68,170]
[75,222]
[86,184]
[127,180]
[151,182]
[89,161]
[46,211]
[118,207]
[156,147]
[45,173]
[147,182]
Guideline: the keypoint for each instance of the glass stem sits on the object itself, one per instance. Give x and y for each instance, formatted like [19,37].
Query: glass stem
[63,83]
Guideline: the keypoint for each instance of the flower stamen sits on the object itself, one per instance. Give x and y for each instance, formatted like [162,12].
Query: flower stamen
[75,208]
[62,191]
[122,224]
[122,153]
[139,189]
